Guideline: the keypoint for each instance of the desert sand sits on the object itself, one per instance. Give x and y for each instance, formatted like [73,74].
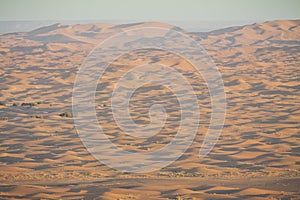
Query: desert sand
[256,157]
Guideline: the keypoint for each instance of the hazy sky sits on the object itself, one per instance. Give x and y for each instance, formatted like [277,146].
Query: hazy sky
[149,10]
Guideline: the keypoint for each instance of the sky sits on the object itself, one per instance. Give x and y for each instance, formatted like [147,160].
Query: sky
[149,10]
[192,15]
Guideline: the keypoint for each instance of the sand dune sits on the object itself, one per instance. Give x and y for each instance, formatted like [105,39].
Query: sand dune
[256,157]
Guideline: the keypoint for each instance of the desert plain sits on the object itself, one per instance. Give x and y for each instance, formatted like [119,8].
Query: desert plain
[257,155]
